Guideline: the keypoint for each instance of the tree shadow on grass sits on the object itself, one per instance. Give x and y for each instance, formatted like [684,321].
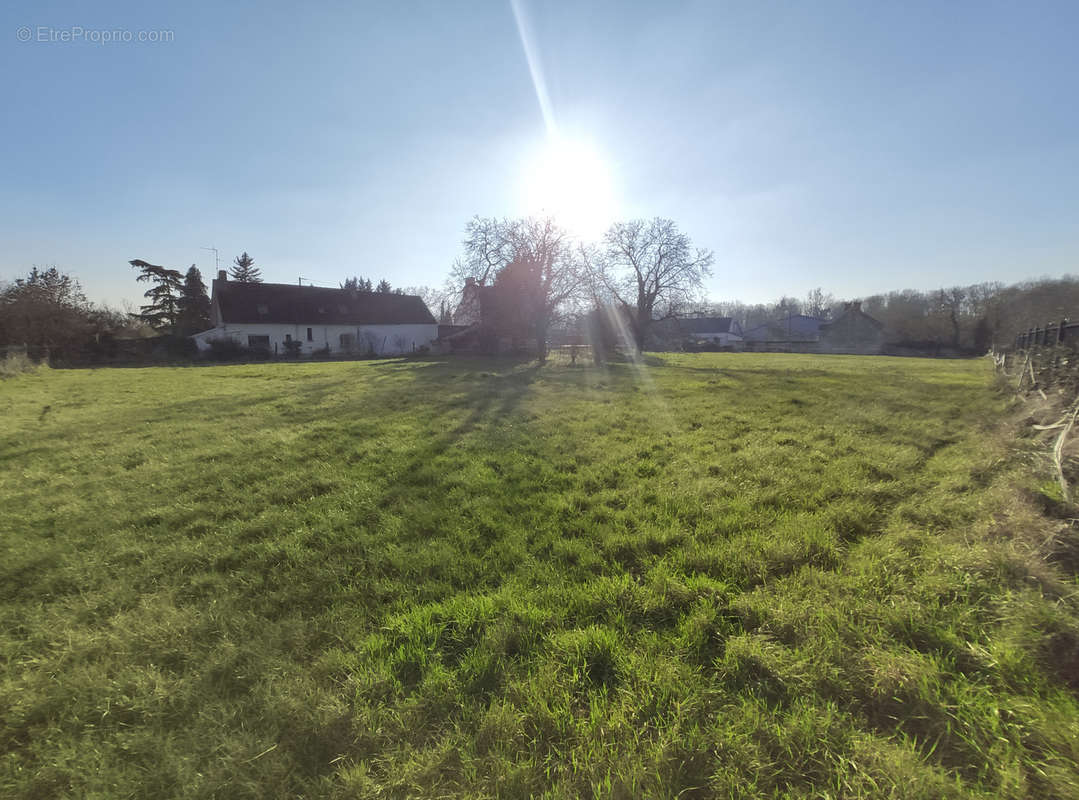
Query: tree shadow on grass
[498,396]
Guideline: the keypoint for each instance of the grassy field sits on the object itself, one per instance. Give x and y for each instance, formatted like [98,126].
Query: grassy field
[718,575]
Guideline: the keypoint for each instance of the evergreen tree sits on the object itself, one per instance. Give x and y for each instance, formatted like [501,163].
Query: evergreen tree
[194,303]
[163,310]
[357,284]
[384,287]
[244,270]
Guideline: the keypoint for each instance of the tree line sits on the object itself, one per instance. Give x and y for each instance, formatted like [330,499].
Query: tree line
[639,273]
[360,284]
[644,271]
[972,318]
[47,310]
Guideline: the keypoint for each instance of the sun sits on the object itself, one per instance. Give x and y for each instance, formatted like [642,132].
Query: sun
[570,180]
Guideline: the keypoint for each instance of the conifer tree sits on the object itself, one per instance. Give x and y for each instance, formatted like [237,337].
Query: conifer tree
[357,284]
[163,310]
[244,270]
[194,303]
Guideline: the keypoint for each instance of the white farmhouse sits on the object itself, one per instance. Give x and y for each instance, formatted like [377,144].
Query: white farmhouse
[722,331]
[278,317]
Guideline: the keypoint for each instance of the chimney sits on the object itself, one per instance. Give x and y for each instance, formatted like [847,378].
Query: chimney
[222,275]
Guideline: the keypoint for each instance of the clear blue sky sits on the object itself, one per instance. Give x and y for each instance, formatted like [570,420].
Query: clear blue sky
[859,146]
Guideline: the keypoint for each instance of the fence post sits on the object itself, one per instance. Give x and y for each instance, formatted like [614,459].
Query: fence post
[1060,333]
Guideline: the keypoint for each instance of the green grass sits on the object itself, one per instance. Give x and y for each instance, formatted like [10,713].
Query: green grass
[717,576]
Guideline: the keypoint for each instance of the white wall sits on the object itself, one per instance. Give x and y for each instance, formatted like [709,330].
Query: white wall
[718,338]
[383,339]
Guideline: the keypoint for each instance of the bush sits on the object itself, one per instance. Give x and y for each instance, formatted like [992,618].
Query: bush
[179,347]
[292,348]
[16,364]
[228,350]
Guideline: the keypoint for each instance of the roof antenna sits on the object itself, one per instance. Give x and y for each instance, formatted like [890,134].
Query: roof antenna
[217,263]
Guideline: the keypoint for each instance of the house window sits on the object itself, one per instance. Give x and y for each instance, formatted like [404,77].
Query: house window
[263,308]
[258,342]
[288,337]
[348,342]
[310,335]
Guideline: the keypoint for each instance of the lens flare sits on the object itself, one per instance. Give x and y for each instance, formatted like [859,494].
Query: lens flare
[571,182]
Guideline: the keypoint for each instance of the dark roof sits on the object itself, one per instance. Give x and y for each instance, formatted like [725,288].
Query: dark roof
[852,315]
[706,325]
[245,303]
[794,326]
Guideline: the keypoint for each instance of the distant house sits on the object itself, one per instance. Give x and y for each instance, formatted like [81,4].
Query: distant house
[853,331]
[489,318]
[721,331]
[277,317]
[476,298]
[794,328]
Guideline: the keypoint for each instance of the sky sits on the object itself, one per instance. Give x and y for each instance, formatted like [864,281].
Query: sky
[860,147]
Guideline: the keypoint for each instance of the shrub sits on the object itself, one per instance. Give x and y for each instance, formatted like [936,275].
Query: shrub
[179,347]
[227,350]
[16,364]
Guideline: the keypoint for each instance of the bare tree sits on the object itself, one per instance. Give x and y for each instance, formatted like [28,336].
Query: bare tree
[786,307]
[532,262]
[487,250]
[436,300]
[649,269]
[951,303]
[986,303]
[818,303]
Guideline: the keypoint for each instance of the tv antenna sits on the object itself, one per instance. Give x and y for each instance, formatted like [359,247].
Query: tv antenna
[217,263]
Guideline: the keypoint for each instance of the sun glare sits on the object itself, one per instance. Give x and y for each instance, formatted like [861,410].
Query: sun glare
[570,181]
